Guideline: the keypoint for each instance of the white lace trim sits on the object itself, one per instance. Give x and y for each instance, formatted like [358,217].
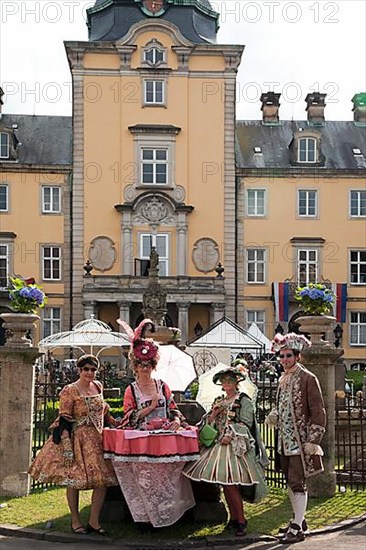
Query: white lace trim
[161,459]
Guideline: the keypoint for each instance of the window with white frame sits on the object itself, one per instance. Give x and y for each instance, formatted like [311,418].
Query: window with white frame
[161,244]
[256,316]
[4,265]
[307,266]
[51,199]
[256,202]
[154,56]
[154,166]
[4,145]
[4,197]
[154,92]
[51,263]
[306,149]
[307,204]
[256,258]
[358,267]
[51,321]
[357,328]
[358,204]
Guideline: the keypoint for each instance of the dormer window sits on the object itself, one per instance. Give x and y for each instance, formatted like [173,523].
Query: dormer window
[306,150]
[153,54]
[4,145]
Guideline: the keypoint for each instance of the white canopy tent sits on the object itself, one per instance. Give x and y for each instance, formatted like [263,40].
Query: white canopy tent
[87,336]
[256,332]
[226,333]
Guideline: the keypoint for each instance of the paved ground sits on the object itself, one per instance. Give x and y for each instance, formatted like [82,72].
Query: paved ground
[350,537]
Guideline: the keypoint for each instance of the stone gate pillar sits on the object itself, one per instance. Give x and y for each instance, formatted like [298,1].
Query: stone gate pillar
[321,360]
[16,413]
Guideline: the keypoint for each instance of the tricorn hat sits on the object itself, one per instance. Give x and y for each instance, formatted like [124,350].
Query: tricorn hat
[289,341]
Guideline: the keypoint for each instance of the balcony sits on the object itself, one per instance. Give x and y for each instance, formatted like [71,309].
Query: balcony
[128,287]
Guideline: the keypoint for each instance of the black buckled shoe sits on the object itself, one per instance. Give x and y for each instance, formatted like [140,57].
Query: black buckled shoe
[294,534]
[241,528]
[283,530]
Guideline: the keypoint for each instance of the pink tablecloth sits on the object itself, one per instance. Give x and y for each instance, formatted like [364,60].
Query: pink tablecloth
[149,468]
[137,446]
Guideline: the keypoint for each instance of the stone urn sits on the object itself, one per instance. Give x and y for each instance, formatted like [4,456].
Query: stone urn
[17,327]
[316,326]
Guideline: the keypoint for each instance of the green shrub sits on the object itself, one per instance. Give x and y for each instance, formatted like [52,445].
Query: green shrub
[194,390]
[357,377]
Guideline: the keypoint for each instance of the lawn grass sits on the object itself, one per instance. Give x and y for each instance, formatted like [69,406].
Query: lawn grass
[48,510]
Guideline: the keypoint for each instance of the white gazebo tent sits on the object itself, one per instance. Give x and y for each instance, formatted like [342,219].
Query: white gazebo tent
[88,336]
[227,334]
[256,332]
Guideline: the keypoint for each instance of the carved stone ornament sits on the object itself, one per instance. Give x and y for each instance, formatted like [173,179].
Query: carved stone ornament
[129,193]
[179,194]
[102,253]
[153,211]
[205,254]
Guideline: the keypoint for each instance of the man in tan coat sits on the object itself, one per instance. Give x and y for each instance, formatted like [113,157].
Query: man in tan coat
[300,422]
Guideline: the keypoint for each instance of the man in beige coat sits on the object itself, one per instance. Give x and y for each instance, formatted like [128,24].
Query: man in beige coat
[299,419]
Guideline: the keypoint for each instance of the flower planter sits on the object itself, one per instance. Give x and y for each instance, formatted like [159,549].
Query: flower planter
[17,325]
[316,326]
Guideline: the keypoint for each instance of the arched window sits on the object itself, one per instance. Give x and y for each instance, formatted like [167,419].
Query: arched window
[307,149]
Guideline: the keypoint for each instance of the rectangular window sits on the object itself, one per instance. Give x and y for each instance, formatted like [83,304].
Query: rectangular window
[307,150]
[51,321]
[307,203]
[4,145]
[154,166]
[256,202]
[358,267]
[4,265]
[358,204]
[256,265]
[161,244]
[307,266]
[4,198]
[357,328]
[154,92]
[257,317]
[51,263]
[51,202]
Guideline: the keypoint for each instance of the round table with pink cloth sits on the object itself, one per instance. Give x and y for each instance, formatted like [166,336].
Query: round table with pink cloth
[148,466]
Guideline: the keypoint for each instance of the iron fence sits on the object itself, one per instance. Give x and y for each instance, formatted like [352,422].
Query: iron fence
[350,423]
[350,442]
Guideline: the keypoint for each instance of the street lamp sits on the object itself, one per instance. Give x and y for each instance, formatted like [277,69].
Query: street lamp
[338,332]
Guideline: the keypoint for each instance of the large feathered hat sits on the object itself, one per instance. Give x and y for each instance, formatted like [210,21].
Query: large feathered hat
[289,341]
[143,350]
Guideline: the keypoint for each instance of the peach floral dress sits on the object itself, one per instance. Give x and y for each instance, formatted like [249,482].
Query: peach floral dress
[88,469]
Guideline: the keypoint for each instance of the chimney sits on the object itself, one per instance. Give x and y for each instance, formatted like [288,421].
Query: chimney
[359,107]
[315,107]
[270,107]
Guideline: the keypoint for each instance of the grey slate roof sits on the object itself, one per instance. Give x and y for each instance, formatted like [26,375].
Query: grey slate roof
[44,139]
[338,138]
[114,19]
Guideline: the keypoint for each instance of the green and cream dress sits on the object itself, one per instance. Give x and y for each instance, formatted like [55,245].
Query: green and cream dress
[243,460]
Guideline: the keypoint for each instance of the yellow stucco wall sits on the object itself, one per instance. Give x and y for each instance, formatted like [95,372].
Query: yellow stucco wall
[112,104]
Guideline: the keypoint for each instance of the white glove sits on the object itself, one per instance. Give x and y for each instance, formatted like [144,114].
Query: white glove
[272,419]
